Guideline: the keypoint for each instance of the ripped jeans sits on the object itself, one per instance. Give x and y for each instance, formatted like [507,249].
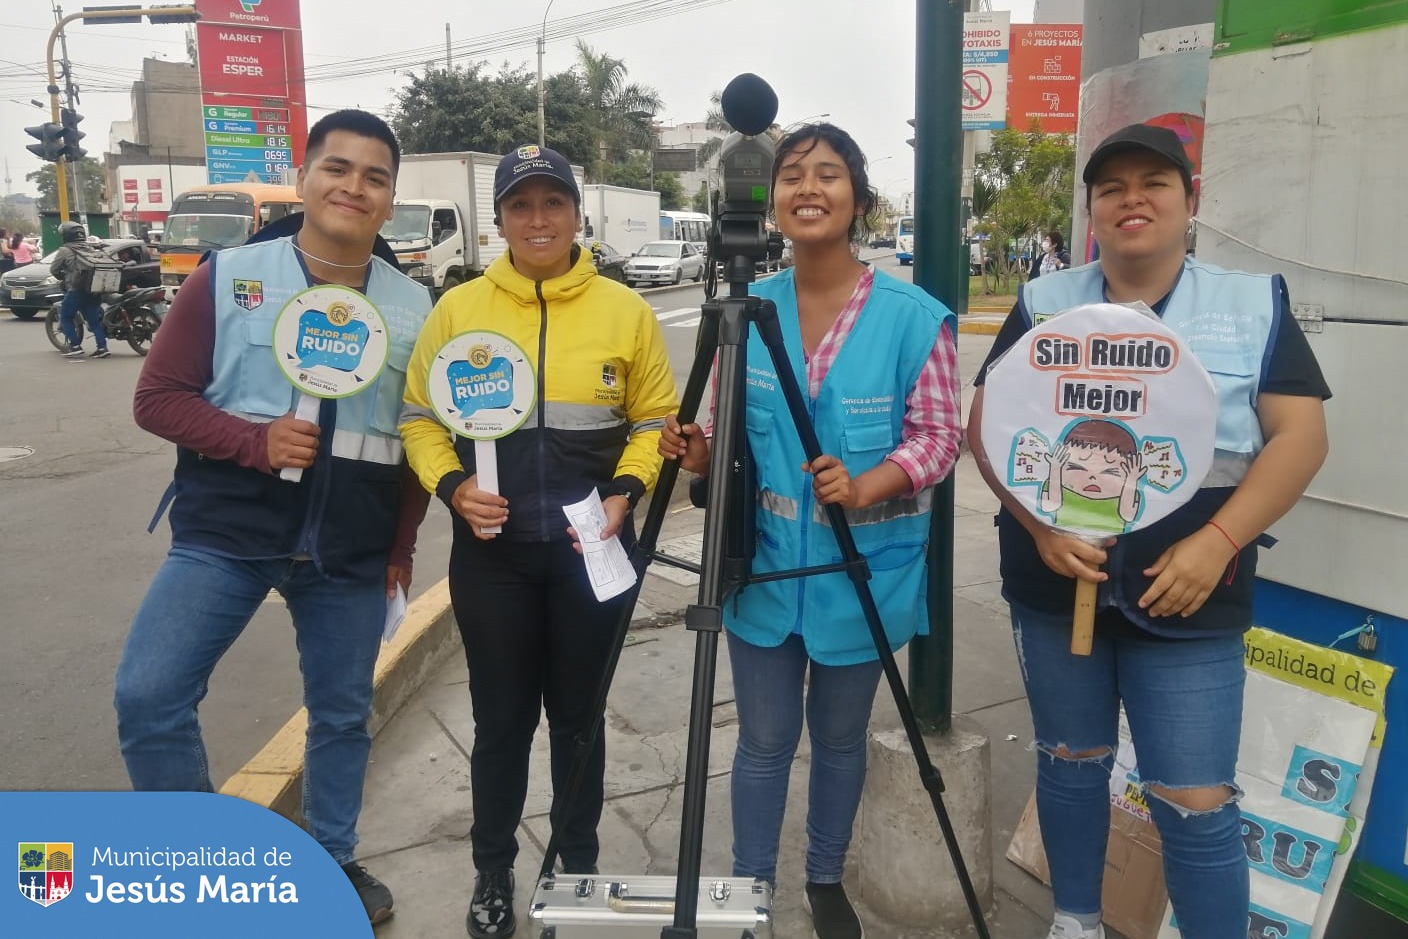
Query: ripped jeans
[1183,699]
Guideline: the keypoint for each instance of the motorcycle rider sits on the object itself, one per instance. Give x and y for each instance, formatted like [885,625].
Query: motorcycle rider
[66,267]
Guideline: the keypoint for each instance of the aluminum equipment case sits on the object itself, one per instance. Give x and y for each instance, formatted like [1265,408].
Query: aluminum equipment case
[607,906]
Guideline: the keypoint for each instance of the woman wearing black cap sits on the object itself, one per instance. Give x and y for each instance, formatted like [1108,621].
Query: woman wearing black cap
[1177,595]
[534,633]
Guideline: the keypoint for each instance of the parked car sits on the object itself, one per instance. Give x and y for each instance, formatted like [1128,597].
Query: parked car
[609,262]
[31,290]
[882,241]
[664,262]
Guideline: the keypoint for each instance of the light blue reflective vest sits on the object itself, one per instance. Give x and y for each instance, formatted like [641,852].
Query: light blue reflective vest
[342,513]
[1226,318]
[858,417]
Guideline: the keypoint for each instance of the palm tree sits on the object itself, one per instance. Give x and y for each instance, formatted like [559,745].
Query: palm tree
[620,114]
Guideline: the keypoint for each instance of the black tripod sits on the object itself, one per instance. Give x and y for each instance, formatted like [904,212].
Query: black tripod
[724,566]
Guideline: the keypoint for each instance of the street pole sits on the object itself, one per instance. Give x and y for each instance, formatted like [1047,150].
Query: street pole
[60,176]
[73,106]
[938,147]
[542,42]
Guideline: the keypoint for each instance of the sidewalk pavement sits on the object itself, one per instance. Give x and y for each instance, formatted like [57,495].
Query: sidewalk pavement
[417,814]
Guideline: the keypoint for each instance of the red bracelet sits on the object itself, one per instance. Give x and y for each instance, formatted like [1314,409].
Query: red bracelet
[1232,567]
[1230,540]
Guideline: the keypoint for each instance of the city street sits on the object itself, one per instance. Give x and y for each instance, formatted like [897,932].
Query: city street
[78,560]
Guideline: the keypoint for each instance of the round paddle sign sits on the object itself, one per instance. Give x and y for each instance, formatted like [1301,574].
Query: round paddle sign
[1099,420]
[482,385]
[330,341]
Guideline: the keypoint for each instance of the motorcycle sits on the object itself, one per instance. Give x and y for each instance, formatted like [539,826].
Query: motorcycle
[133,315]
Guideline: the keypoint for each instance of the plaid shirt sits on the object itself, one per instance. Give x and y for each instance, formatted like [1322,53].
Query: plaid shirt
[932,426]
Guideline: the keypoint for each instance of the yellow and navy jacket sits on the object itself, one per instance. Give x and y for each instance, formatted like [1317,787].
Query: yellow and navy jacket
[604,387]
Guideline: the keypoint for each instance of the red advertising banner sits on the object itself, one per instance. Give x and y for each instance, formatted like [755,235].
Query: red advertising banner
[1043,77]
[253,108]
[239,60]
[272,14]
[130,198]
[128,184]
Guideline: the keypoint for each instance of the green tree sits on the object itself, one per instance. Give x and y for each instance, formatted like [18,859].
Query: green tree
[701,198]
[466,108]
[633,172]
[1026,179]
[619,113]
[91,180]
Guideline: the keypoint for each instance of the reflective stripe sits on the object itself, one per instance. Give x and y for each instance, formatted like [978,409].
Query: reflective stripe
[641,427]
[1228,469]
[562,416]
[370,448]
[777,504]
[899,507]
[410,412]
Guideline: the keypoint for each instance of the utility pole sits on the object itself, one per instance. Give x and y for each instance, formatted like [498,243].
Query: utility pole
[449,62]
[542,43]
[71,98]
[938,145]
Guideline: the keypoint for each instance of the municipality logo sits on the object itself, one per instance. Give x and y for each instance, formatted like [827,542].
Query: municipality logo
[46,870]
[249,293]
[529,152]
[608,375]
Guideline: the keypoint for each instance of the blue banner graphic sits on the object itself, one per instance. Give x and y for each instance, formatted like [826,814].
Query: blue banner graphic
[143,864]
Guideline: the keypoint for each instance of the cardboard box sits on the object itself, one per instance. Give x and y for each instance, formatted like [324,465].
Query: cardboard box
[1133,895]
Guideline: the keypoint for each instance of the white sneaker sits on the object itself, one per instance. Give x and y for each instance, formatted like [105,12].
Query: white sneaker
[1067,927]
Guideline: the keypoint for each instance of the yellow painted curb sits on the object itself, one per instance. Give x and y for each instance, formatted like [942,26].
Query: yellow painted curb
[274,777]
[981,329]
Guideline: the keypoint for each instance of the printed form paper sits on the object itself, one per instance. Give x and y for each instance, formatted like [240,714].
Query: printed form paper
[608,567]
[395,612]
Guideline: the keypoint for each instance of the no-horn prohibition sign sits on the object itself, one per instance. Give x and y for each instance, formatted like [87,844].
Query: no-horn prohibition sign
[977,89]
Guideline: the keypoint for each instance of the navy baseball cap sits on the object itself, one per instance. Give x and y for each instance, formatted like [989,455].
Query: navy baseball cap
[532,160]
[1157,140]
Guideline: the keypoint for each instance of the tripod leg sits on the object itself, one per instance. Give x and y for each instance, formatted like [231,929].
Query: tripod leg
[765,317]
[706,616]
[641,556]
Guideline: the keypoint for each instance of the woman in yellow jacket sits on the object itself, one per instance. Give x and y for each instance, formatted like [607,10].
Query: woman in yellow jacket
[534,634]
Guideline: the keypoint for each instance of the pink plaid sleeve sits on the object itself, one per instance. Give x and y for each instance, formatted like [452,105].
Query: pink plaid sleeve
[932,420]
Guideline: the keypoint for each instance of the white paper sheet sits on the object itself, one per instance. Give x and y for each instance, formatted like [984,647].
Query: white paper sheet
[608,567]
[395,613]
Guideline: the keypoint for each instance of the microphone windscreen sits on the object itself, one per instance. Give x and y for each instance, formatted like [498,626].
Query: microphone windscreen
[749,104]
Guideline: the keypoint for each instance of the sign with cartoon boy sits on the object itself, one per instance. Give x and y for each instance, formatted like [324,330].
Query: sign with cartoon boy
[330,342]
[1106,422]
[483,387]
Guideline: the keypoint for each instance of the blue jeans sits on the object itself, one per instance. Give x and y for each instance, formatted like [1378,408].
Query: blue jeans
[1183,699]
[196,607]
[767,686]
[92,309]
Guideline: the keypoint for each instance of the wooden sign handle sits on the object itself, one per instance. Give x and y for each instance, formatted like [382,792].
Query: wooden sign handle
[1083,624]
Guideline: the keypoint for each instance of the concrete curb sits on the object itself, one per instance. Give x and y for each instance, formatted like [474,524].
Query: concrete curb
[274,777]
[980,328]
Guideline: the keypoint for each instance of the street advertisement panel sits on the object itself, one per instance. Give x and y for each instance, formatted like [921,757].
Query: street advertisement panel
[253,113]
[1044,77]
[984,88]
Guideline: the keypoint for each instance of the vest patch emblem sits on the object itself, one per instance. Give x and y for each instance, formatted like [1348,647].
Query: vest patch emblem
[608,375]
[249,293]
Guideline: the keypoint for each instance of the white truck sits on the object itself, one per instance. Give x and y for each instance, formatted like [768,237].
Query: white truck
[623,218]
[443,230]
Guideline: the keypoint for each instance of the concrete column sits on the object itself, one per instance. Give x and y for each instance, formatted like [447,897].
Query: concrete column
[906,874]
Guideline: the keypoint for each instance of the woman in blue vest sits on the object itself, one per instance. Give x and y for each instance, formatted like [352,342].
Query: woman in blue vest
[1175,598]
[878,365]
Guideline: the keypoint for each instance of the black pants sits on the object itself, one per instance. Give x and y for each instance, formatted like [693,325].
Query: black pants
[535,637]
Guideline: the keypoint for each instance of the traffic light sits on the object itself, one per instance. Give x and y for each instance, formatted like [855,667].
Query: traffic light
[51,145]
[72,135]
[910,140]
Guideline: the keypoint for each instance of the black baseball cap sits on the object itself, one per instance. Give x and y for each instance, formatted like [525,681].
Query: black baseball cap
[1157,140]
[533,160]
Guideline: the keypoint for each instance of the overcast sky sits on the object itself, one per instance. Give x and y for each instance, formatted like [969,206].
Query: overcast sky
[853,60]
